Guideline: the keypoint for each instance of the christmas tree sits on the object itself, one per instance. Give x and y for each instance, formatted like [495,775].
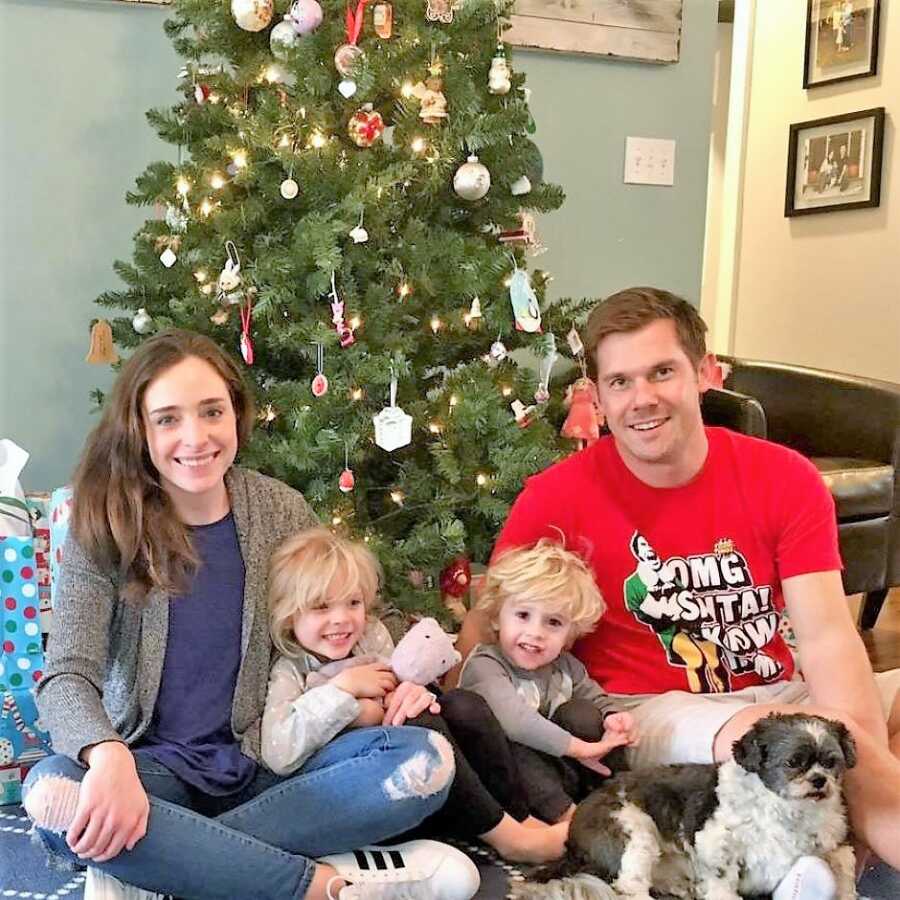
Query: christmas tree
[351,212]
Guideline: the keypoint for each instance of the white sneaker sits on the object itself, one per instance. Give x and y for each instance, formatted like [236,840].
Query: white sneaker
[100,886]
[416,870]
[810,878]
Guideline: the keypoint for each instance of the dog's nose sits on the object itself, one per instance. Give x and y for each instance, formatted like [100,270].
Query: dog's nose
[818,781]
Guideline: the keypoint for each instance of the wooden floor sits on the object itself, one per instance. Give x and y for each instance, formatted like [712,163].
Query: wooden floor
[883,641]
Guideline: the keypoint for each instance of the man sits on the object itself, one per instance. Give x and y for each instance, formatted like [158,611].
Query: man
[700,539]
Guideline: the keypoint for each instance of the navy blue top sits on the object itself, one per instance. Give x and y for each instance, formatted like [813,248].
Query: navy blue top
[191,729]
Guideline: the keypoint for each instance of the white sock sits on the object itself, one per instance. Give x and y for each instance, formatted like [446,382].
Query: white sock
[810,878]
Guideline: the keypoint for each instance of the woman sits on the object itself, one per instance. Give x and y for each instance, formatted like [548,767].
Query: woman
[157,668]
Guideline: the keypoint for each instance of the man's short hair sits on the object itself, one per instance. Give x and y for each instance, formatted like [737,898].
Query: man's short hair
[633,309]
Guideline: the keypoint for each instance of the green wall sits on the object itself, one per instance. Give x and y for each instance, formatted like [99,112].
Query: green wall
[76,77]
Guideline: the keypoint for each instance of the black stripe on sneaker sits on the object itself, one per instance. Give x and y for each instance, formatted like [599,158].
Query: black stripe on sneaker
[361,859]
[378,859]
[397,859]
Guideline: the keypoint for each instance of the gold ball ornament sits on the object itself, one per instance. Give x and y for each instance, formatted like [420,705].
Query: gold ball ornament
[252,15]
[365,127]
[472,180]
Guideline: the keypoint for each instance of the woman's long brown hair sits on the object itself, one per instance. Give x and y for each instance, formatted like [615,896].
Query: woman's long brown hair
[121,517]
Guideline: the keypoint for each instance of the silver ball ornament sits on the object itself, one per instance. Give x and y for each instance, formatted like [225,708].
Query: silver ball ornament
[252,15]
[142,323]
[282,39]
[472,180]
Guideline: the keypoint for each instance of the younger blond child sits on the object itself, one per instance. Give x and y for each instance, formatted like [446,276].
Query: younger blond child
[539,600]
[322,592]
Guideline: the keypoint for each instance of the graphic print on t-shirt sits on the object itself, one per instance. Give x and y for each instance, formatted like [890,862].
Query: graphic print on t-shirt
[709,616]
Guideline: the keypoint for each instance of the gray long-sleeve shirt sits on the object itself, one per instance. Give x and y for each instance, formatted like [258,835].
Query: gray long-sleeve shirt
[523,700]
[105,657]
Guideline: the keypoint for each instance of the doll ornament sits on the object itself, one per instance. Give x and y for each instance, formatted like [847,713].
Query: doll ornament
[584,419]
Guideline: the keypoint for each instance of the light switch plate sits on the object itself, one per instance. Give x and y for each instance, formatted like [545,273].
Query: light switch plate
[649,161]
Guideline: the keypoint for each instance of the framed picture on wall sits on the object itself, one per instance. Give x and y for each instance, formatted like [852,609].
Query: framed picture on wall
[841,41]
[635,29]
[835,163]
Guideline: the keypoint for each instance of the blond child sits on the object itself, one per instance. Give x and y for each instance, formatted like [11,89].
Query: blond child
[322,592]
[539,600]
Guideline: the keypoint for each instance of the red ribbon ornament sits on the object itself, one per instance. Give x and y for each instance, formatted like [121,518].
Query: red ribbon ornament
[354,21]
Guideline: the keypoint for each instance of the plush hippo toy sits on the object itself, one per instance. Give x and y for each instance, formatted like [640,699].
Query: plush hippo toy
[424,653]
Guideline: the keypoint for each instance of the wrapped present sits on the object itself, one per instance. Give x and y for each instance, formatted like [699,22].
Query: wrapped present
[60,510]
[11,778]
[39,507]
[21,648]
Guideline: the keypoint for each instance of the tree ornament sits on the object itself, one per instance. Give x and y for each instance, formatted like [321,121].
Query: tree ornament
[472,180]
[168,257]
[252,15]
[433,103]
[289,188]
[283,38]
[475,309]
[524,302]
[346,481]
[542,394]
[305,16]
[393,427]
[455,580]
[440,11]
[319,384]
[359,234]
[496,354]
[142,323]
[347,88]
[102,349]
[383,20]
[522,185]
[345,333]
[499,76]
[525,234]
[522,413]
[573,338]
[246,342]
[176,219]
[348,55]
[584,419]
[365,126]
[230,277]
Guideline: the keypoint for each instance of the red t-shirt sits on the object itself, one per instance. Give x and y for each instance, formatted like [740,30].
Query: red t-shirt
[691,575]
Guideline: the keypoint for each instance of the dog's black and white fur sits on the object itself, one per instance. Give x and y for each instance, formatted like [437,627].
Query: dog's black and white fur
[717,832]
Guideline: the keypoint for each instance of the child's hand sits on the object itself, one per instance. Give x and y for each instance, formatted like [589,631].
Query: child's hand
[373,680]
[371,713]
[589,753]
[407,702]
[622,723]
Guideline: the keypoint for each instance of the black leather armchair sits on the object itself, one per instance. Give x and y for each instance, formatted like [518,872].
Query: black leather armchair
[850,428]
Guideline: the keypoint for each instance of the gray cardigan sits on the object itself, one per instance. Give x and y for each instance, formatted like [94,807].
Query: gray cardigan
[105,657]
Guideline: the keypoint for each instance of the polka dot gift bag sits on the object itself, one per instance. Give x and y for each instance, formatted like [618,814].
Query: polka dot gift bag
[22,741]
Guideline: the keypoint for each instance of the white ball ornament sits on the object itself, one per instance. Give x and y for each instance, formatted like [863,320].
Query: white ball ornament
[283,38]
[252,15]
[289,189]
[142,323]
[472,180]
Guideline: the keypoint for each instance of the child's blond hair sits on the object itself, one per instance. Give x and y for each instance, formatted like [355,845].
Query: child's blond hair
[544,573]
[303,570]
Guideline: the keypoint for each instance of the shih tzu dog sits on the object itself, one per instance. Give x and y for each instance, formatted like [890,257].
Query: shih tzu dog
[716,832]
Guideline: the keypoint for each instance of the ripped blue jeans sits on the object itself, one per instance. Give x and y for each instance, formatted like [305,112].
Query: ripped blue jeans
[363,787]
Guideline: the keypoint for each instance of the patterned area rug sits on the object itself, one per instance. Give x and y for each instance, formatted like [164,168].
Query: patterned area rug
[24,873]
